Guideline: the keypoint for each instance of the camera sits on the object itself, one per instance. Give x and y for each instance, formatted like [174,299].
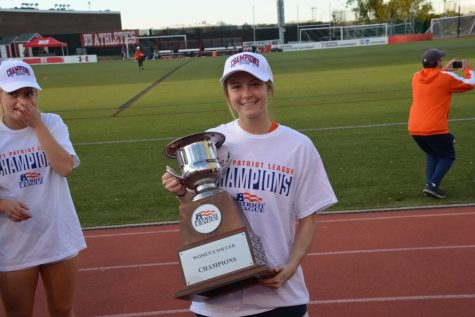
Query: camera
[457,64]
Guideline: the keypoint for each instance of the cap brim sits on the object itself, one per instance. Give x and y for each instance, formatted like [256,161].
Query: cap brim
[9,87]
[223,79]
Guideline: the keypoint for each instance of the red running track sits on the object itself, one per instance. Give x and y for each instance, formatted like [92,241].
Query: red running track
[387,264]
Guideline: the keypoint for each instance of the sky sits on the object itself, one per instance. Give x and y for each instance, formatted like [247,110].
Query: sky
[158,14]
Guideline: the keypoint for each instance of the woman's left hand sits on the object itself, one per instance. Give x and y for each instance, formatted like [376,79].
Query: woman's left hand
[283,274]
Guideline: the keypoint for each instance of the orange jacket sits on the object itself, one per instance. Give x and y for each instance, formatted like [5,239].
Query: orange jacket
[432,90]
[138,54]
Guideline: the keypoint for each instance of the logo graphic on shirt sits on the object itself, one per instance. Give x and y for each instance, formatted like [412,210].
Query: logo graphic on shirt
[206,218]
[30,179]
[250,202]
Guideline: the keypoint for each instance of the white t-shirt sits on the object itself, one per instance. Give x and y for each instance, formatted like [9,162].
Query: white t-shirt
[53,233]
[277,178]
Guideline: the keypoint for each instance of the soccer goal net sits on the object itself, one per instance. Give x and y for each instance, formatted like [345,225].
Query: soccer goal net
[151,44]
[453,26]
[335,33]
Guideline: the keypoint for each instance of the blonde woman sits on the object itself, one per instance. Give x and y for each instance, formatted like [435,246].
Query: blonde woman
[283,172]
[40,234]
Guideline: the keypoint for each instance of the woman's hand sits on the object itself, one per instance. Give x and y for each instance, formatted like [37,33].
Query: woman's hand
[29,113]
[15,210]
[282,275]
[173,185]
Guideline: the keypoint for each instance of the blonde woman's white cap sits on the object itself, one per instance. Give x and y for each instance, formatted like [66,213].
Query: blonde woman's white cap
[16,74]
[252,63]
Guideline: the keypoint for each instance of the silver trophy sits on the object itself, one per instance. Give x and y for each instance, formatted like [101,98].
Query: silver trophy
[197,157]
[212,224]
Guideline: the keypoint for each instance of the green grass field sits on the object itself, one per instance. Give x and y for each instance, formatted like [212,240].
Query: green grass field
[353,103]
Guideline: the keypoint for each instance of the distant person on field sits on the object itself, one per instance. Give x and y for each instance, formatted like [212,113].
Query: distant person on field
[40,234]
[139,57]
[432,88]
[123,53]
[155,54]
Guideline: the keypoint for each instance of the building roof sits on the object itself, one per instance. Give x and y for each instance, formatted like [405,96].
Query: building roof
[7,40]
[26,37]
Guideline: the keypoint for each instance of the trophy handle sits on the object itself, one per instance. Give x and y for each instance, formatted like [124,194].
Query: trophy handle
[226,164]
[174,173]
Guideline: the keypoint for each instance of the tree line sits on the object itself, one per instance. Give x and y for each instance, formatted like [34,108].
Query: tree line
[393,11]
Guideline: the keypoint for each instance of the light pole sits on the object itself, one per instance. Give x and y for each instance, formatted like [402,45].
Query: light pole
[298,35]
[253,26]
[281,20]
[458,24]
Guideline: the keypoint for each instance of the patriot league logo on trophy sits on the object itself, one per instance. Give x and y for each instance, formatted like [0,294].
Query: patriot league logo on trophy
[218,252]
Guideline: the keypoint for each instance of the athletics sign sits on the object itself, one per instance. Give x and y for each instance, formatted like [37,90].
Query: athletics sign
[109,39]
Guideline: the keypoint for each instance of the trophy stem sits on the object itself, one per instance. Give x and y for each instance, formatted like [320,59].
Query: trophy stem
[206,190]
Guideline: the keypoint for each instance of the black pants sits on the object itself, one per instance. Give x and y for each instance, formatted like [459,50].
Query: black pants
[140,60]
[289,311]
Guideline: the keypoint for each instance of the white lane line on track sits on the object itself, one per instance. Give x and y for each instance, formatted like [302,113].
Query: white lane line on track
[391,299]
[136,266]
[322,302]
[90,236]
[123,267]
[448,247]
[399,217]
[129,233]
[150,313]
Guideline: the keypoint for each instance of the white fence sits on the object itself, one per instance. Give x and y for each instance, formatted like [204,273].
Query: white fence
[72,59]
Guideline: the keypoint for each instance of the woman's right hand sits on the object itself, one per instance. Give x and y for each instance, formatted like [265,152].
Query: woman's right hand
[16,211]
[173,185]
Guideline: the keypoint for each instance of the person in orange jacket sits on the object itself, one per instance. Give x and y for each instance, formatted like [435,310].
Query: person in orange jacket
[432,89]
[139,57]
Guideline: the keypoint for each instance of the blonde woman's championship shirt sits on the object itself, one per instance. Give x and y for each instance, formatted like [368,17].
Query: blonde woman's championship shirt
[53,233]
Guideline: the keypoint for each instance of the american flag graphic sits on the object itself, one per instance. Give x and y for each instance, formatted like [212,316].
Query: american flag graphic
[204,214]
[29,176]
[252,198]
[32,175]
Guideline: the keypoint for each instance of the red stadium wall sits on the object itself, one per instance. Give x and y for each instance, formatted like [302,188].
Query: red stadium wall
[396,39]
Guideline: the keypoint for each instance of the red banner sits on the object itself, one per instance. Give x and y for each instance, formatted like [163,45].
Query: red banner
[108,39]
[396,39]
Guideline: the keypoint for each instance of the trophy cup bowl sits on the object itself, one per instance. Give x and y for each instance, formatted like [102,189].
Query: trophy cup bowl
[196,155]
[218,251]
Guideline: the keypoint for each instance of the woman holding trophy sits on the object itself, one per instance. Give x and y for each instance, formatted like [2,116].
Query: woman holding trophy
[277,177]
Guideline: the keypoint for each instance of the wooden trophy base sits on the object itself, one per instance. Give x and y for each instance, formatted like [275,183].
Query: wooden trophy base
[226,258]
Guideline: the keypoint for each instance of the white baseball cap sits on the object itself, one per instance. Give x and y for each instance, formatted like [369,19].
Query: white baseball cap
[16,74]
[252,63]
